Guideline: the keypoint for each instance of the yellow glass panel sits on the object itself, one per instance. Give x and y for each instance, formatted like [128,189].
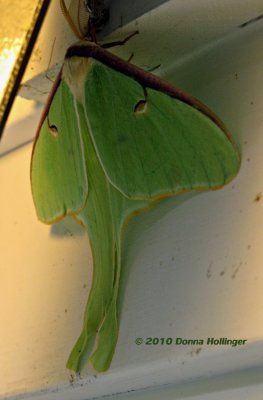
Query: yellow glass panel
[17,27]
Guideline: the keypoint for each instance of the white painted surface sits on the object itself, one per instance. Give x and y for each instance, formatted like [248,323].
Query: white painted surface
[194,270]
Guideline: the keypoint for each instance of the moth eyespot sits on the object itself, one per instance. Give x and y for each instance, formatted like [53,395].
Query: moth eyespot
[53,130]
[140,107]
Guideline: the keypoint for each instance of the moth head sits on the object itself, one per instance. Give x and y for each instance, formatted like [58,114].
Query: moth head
[85,15]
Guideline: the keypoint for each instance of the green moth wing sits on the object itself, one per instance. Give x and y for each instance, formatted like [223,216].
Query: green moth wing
[58,169]
[168,147]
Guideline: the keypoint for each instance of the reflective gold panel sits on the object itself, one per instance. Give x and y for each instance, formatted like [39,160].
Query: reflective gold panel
[20,24]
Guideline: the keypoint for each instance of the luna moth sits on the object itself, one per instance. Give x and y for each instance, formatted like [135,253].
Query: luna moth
[114,140]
